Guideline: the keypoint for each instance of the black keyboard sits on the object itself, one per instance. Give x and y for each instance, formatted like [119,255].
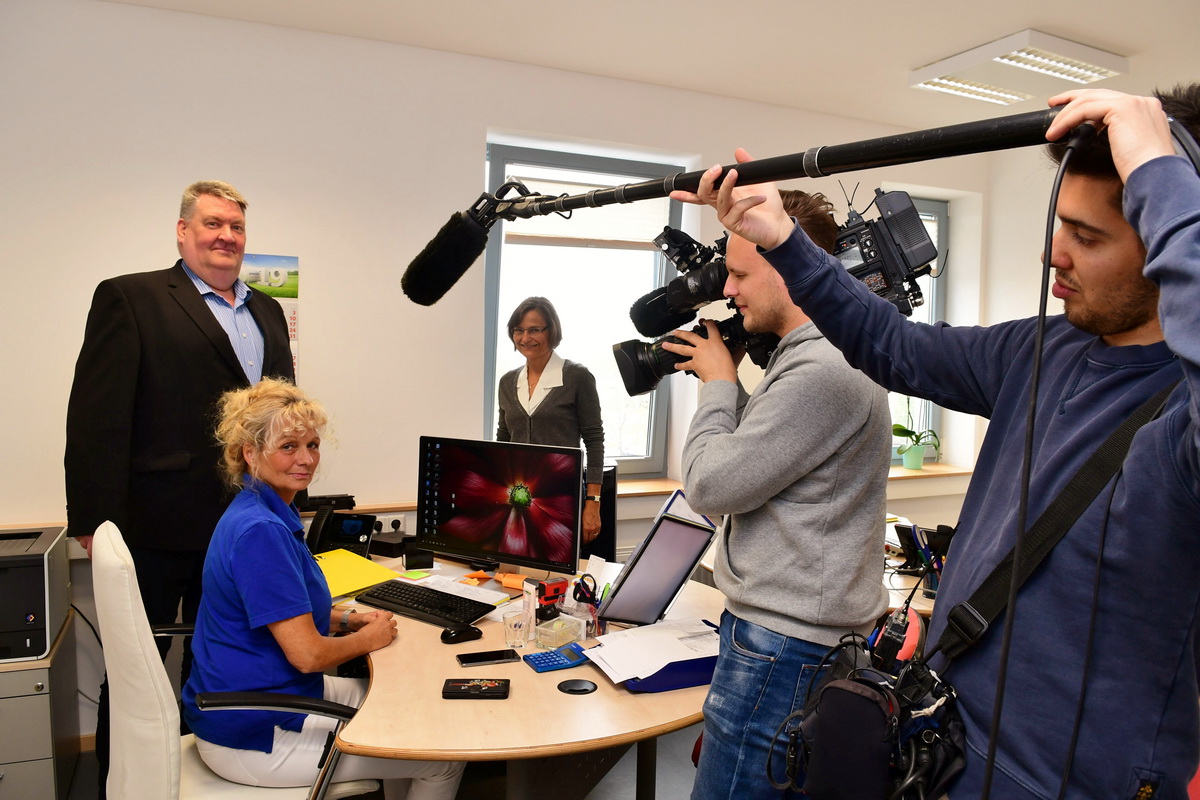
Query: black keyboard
[425,604]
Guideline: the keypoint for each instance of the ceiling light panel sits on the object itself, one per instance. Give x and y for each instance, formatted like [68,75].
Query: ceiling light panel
[1026,65]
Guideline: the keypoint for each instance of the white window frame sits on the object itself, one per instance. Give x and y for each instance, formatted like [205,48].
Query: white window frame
[499,157]
[927,414]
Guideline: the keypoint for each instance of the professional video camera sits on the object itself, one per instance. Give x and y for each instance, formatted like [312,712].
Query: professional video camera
[643,365]
[888,254]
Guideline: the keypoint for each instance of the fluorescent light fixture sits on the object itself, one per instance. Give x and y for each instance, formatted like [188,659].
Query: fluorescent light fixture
[1041,62]
[975,91]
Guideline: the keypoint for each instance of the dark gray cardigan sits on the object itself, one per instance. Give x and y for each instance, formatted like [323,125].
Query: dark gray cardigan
[569,413]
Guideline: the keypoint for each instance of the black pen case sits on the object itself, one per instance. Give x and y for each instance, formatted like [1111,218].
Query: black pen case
[475,689]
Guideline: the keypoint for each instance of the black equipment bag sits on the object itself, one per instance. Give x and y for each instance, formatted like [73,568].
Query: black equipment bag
[866,734]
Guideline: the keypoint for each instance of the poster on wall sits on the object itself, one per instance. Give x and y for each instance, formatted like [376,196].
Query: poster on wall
[278,276]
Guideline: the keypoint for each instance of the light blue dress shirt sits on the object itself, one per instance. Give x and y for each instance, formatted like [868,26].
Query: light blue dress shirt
[237,322]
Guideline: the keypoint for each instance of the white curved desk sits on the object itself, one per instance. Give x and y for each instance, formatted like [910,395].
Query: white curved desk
[404,715]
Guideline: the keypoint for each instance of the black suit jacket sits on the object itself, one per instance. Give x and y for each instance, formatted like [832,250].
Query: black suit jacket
[142,412]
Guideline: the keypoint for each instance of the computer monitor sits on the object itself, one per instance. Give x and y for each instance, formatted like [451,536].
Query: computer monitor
[489,502]
[937,542]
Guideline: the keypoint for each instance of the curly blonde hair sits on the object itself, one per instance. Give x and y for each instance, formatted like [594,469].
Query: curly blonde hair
[260,416]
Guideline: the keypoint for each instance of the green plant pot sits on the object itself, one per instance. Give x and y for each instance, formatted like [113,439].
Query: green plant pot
[913,457]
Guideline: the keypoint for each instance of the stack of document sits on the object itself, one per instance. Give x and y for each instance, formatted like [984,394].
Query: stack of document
[641,652]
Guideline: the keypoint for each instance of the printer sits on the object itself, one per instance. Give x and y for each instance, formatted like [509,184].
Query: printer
[34,591]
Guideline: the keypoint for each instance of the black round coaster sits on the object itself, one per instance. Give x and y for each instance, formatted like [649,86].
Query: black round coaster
[577,686]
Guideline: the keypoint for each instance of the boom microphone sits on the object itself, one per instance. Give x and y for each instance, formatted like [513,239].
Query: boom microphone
[444,260]
[450,254]
[652,315]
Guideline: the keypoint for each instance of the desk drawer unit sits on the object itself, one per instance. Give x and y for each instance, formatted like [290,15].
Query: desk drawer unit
[39,724]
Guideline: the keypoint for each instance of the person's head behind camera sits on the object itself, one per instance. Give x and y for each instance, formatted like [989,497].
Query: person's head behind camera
[814,214]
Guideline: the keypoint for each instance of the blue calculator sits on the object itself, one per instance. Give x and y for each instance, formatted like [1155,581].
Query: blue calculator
[569,655]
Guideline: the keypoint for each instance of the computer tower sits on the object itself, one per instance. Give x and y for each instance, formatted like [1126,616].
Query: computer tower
[34,591]
[605,545]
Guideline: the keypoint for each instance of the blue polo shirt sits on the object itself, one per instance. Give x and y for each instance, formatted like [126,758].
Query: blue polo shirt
[257,571]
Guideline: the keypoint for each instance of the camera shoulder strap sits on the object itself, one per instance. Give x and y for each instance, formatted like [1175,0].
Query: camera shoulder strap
[968,620]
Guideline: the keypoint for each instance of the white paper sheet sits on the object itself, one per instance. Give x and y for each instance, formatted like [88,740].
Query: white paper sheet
[643,651]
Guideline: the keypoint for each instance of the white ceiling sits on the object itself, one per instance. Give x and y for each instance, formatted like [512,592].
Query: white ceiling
[850,59]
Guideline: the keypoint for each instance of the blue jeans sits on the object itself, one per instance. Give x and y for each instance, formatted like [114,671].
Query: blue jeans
[760,678]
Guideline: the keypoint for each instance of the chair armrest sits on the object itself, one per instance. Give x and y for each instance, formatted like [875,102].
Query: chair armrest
[173,629]
[274,701]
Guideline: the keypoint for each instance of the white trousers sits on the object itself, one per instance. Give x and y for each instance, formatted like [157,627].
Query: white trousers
[294,758]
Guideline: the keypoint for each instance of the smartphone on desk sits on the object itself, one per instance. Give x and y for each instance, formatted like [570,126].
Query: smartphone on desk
[486,657]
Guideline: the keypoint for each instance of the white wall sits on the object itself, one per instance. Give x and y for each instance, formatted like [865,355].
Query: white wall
[352,154]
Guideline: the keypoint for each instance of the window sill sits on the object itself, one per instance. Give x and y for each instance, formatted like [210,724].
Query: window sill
[664,486]
[661,487]
[931,469]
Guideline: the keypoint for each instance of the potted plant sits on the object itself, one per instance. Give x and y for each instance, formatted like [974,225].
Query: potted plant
[912,452]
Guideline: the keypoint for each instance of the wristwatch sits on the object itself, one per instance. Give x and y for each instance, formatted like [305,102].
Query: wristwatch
[593,497]
[346,618]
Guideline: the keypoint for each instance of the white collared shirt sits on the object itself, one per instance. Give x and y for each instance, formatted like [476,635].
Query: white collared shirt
[552,376]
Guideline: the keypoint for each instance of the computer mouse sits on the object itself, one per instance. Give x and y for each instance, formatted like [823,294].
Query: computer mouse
[577,686]
[463,633]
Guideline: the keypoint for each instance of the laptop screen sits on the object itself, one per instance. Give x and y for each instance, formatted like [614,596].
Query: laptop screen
[657,571]
[677,506]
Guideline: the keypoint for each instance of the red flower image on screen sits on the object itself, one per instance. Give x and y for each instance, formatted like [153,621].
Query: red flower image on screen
[518,503]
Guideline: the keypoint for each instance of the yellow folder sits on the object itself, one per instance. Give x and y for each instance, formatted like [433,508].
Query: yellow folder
[347,573]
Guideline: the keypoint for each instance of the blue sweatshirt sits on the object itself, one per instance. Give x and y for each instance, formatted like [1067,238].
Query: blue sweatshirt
[1138,729]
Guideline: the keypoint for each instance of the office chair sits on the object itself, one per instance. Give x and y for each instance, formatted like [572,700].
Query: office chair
[148,757]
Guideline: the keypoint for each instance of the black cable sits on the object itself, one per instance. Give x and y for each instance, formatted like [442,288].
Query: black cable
[940,271]
[1080,137]
[920,577]
[1091,638]
[911,777]
[83,617]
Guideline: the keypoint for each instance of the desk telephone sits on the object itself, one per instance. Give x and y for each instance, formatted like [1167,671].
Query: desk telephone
[331,531]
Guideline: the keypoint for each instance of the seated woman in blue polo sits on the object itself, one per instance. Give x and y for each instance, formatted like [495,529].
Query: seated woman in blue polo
[266,613]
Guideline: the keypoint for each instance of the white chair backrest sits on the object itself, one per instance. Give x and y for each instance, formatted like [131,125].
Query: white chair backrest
[143,716]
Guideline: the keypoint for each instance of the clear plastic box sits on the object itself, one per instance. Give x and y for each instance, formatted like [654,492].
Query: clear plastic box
[563,629]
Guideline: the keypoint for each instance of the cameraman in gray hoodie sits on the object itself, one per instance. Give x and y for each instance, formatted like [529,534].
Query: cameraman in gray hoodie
[799,469]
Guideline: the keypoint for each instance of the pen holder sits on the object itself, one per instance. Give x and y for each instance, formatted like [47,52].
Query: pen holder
[929,584]
[563,629]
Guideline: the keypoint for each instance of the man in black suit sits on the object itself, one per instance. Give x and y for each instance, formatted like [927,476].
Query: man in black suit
[158,351]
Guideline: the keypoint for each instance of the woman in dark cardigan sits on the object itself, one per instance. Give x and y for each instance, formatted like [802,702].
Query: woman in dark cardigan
[551,400]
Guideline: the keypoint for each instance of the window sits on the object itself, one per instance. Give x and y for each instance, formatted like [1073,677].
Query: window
[935,215]
[592,268]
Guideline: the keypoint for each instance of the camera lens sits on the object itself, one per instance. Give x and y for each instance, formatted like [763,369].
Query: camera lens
[644,364]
